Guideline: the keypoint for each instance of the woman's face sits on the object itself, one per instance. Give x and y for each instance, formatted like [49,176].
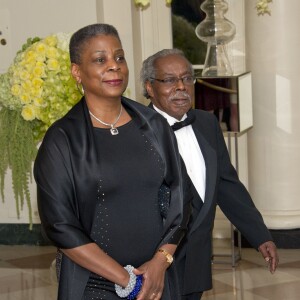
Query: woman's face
[103,70]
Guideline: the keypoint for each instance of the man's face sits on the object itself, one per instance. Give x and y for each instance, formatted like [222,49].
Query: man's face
[173,98]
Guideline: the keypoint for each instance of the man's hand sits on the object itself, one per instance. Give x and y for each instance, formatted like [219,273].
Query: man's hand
[269,253]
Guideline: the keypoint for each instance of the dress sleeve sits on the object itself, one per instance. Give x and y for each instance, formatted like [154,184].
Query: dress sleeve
[56,194]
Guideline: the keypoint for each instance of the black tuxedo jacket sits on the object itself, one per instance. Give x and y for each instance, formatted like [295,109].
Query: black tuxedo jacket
[223,188]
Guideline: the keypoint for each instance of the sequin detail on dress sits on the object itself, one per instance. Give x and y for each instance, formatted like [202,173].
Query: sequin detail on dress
[164,194]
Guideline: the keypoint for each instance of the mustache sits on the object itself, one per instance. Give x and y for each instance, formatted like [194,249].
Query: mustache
[181,94]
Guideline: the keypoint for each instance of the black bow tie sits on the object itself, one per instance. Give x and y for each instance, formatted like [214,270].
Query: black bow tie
[188,121]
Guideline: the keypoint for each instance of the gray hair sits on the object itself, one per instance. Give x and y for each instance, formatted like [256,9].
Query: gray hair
[83,35]
[148,70]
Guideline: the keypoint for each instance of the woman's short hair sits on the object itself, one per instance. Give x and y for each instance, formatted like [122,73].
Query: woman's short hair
[148,70]
[83,35]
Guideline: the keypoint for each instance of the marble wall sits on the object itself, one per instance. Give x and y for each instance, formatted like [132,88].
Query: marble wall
[274,143]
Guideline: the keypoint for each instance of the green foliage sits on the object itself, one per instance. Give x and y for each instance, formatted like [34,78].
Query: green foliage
[28,43]
[185,39]
[18,149]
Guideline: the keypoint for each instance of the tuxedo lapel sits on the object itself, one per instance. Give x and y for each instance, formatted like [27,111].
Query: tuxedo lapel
[210,158]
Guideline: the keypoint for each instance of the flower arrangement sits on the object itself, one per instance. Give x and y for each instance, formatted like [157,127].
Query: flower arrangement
[37,90]
[262,7]
[40,83]
[145,3]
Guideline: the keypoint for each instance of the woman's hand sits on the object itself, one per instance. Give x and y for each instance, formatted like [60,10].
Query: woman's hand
[153,272]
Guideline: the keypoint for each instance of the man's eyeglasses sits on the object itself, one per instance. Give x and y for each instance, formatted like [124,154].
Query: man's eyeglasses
[171,81]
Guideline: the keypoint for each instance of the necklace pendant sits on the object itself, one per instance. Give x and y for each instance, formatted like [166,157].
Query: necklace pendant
[114,131]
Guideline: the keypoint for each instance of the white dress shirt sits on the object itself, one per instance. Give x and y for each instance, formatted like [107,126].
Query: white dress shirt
[190,152]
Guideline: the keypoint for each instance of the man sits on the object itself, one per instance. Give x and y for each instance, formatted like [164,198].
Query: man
[168,82]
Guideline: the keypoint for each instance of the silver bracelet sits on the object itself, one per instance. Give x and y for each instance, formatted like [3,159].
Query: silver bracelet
[124,292]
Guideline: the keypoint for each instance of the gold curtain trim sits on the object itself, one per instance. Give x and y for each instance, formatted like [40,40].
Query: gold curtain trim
[216,87]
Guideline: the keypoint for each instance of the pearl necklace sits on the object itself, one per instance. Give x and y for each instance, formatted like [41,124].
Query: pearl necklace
[113,130]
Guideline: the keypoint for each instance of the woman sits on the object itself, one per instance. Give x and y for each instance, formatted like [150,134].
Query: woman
[109,183]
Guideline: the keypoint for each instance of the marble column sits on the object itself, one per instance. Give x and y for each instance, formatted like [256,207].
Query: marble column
[272,44]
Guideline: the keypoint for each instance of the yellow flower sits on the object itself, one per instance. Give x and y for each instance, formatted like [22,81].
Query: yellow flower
[37,82]
[26,85]
[52,52]
[29,59]
[262,7]
[29,64]
[53,64]
[36,91]
[39,70]
[50,41]
[40,48]
[16,90]
[28,112]
[36,88]
[142,3]
[24,75]
[30,55]
[25,98]
[38,101]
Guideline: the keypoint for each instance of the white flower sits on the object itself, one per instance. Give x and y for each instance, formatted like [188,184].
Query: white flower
[63,40]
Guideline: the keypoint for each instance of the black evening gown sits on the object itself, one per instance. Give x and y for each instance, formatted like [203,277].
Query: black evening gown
[127,223]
